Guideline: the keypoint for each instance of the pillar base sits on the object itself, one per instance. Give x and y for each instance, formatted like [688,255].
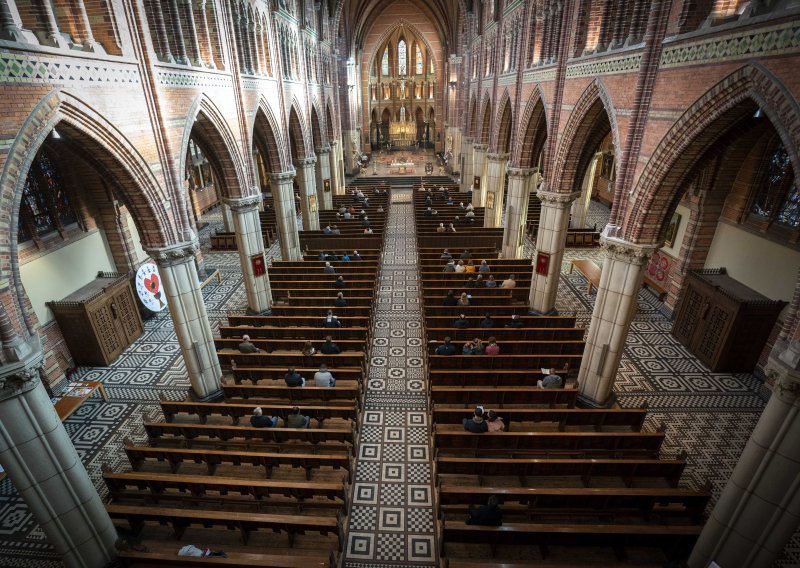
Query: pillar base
[586,402]
[552,312]
[252,312]
[215,396]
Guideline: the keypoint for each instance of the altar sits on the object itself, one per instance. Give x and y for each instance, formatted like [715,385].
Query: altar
[401,167]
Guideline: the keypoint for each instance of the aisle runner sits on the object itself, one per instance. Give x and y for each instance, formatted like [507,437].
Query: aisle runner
[391,518]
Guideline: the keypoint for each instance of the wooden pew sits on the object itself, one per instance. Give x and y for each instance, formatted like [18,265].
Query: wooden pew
[344,376]
[294,395]
[494,378]
[245,523]
[520,347]
[499,397]
[169,559]
[478,312]
[294,321]
[353,360]
[589,270]
[310,462]
[507,334]
[238,411]
[501,318]
[534,361]
[599,418]
[273,344]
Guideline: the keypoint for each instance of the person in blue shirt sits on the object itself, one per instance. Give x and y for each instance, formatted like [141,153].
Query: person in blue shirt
[446,348]
[258,420]
[345,257]
[475,423]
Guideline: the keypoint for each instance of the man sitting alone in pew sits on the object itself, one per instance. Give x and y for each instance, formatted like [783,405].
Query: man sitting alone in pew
[324,378]
[461,322]
[487,322]
[340,283]
[516,322]
[246,347]
[550,381]
[258,420]
[475,423]
[331,320]
[329,347]
[451,299]
[297,420]
[488,515]
[510,282]
[294,379]
[340,302]
[329,269]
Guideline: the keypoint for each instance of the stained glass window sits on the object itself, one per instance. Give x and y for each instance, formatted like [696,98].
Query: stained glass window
[385,62]
[420,67]
[778,196]
[45,204]
[431,66]
[402,68]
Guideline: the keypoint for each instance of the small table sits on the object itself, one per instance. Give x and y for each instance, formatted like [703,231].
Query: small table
[75,394]
[216,274]
[589,270]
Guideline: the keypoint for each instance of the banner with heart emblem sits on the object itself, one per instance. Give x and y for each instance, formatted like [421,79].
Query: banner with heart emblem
[149,287]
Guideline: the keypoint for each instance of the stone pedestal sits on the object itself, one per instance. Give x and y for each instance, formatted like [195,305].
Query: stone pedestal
[550,239]
[189,318]
[495,185]
[307,181]
[47,472]
[466,173]
[519,192]
[478,170]
[250,244]
[615,306]
[283,197]
[323,172]
[759,509]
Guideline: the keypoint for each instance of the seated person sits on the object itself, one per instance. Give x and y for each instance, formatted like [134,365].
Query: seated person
[429,212]
[475,423]
[461,205]
[258,420]
[345,258]
[446,348]
[451,299]
[356,256]
[479,348]
[495,422]
[246,347]
[327,230]
[380,209]
[461,322]
[297,420]
[468,348]
[329,269]
[331,320]
[464,299]
[450,228]
[509,282]
[322,255]
[331,256]
[308,349]
[335,230]
[368,231]
[460,268]
[340,302]
[440,228]
[470,283]
[491,282]
[339,282]
[342,209]
[493,348]
[347,215]
[294,379]
[484,267]
[446,254]
[470,267]
[324,378]
[470,207]
[487,322]
[550,381]
[449,267]
[466,255]
[480,282]
[469,215]
[516,322]
[329,347]
[488,515]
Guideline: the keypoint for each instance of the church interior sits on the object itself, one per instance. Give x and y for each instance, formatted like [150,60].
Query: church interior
[390,283]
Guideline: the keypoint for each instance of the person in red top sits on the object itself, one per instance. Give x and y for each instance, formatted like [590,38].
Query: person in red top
[493,348]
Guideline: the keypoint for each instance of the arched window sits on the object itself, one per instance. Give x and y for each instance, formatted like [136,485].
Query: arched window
[777,198]
[431,66]
[385,62]
[420,67]
[402,68]
[45,206]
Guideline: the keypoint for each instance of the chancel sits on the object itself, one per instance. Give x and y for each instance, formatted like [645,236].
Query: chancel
[384,283]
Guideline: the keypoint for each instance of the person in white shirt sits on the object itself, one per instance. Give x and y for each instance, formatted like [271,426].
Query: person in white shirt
[510,282]
[324,378]
[460,266]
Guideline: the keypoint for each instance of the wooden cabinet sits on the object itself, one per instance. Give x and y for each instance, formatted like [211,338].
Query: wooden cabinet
[100,320]
[722,322]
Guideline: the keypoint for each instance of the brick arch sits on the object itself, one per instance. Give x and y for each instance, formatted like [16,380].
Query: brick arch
[297,132]
[582,131]
[485,122]
[529,136]
[416,35]
[316,128]
[473,117]
[329,123]
[502,140]
[704,122]
[207,123]
[132,177]
[267,135]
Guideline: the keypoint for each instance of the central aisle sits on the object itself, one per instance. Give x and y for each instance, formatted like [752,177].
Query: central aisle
[391,517]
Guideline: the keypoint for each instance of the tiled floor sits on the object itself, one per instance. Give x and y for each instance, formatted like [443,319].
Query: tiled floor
[710,415]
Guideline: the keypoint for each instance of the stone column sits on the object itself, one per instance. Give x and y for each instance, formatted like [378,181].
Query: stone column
[52,35]
[45,469]
[308,190]
[176,264]
[177,31]
[161,33]
[89,43]
[207,33]
[519,193]
[227,217]
[250,244]
[478,167]
[495,184]
[11,25]
[614,308]
[324,198]
[550,240]
[283,198]
[466,174]
[193,33]
[759,509]
[337,175]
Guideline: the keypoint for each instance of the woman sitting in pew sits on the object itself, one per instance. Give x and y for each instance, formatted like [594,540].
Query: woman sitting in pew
[258,420]
[308,349]
[495,422]
[464,299]
[468,348]
[493,348]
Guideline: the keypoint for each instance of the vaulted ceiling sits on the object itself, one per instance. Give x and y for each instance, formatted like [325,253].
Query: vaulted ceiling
[355,18]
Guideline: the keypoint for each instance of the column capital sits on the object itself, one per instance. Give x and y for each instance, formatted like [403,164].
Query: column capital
[323,150]
[282,177]
[21,376]
[334,143]
[498,157]
[626,251]
[174,254]
[520,172]
[307,161]
[556,197]
[480,147]
[239,204]
[783,367]
[468,140]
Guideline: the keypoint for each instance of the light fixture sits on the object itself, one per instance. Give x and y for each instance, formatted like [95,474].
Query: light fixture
[56,135]
[759,113]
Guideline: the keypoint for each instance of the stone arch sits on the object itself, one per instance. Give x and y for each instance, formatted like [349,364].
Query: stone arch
[472,117]
[504,119]
[416,35]
[267,135]
[329,123]
[657,191]
[298,143]
[527,136]
[485,122]
[581,132]
[315,125]
[218,143]
[132,177]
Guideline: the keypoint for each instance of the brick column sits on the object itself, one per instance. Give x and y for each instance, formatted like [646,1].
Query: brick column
[759,509]
[478,167]
[466,174]
[250,244]
[207,33]
[495,183]
[551,238]
[11,25]
[283,198]
[161,33]
[44,467]
[307,183]
[177,32]
[615,306]
[324,198]
[198,60]
[89,43]
[176,264]
[52,35]
[519,192]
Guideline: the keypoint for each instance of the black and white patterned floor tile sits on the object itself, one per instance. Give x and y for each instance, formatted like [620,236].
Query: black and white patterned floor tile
[391,518]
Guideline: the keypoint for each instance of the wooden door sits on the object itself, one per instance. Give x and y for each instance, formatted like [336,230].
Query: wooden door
[690,315]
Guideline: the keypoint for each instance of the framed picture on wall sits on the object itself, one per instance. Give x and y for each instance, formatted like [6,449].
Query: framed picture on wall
[312,203]
[326,185]
[476,182]
[490,200]
[672,230]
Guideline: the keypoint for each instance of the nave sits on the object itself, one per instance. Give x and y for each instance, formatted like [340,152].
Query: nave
[391,520]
